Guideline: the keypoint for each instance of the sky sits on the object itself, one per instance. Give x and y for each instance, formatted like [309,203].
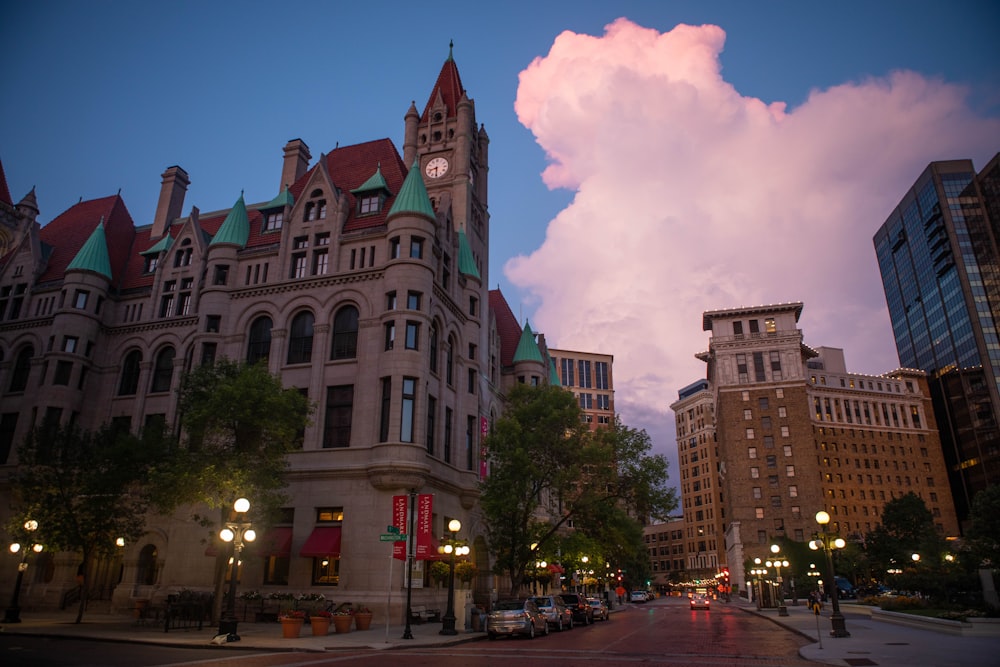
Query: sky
[649,160]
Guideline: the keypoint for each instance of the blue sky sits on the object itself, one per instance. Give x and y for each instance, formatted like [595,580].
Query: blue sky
[103,95]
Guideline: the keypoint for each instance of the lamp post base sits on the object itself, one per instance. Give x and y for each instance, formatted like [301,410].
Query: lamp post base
[448,626]
[782,610]
[227,626]
[12,615]
[838,625]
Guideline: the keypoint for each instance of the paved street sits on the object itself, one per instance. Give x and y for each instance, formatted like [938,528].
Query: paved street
[664,632]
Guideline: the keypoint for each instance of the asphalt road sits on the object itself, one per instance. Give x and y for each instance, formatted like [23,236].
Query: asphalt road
[663,633]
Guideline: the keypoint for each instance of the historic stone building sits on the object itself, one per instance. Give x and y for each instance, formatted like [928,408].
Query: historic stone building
[795,433]
[362,281]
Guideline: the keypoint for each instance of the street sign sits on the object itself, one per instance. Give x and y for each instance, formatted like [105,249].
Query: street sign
[392,537]
[392,529]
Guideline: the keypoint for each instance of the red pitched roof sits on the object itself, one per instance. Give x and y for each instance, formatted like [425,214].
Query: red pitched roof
[349,167]
[507,327]
[70,230]
[4,190]
[449,84]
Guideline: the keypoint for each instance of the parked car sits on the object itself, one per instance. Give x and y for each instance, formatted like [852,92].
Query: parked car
[700,601]
[555,611]
[600,608]
[582,611]
[637,596]
[515,617]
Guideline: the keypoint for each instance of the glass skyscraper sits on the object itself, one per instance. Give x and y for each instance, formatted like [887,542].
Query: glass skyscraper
[940,266]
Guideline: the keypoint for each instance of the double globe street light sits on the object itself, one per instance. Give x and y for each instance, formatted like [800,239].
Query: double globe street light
[452,547]
[777,563]
[13,612]
[237,531]
[828,542]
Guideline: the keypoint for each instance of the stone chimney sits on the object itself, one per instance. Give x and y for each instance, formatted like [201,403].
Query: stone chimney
[296,163]
[172,191]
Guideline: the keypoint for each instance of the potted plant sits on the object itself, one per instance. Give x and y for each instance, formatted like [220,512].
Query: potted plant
[342,620]
[363,617]
[439,572]
[465,571]
[291,623]
[320,622]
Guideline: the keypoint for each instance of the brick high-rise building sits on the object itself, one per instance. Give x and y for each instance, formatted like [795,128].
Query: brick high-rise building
[798,433]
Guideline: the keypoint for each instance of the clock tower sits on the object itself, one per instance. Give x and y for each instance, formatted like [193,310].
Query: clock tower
[452,155]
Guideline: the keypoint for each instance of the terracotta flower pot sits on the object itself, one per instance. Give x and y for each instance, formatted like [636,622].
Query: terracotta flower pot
[363,621]
[320,625]
[291,627]
[342,623]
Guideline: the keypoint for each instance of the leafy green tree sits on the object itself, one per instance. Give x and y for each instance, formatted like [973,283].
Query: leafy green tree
[548,468]
[982,539]
[907,528]
[84,489]
[238,424]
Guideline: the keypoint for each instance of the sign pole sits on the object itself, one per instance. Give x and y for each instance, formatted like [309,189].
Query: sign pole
[388,601]
[411,509]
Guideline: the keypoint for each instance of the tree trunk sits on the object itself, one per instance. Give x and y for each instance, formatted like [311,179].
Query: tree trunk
[81,580]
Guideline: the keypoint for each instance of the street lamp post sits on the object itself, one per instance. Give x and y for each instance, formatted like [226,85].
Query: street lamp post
[758,574]
[13,612]
[828,542]
[238,529]
[779,563]
[452,548]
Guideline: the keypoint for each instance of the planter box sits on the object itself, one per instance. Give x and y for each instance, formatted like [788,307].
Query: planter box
[974,627]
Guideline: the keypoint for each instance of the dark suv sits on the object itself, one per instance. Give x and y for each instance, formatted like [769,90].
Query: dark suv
[582,611]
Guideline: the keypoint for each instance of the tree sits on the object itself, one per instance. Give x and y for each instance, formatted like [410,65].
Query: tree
[907,528]
[983,535]
[85,490]
[548,468]
[238,424]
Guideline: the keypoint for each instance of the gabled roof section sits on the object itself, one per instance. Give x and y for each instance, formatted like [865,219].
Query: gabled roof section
[448,87]
[281,201]
[508,329]
[527,348]
[466,262]
[4,190]
[161,246]
[69,231]
[235,228]
[350,167]
[373,184]
[93,256]
[412,197]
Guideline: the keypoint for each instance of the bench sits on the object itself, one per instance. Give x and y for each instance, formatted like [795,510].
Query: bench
[422,614]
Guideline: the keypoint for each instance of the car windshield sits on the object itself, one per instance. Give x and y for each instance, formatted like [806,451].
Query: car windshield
[509,606]
[543,602]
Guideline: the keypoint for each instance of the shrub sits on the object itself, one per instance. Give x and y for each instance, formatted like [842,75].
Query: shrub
[901,602]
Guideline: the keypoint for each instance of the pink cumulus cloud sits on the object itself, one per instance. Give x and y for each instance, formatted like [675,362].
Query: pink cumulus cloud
[691,197]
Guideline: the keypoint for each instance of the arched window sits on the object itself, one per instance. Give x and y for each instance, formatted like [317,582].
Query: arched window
[163,370]
[345,333]
[22,367]
[129,384]
[300,339]
[146,572]
[433,344]
[259,346]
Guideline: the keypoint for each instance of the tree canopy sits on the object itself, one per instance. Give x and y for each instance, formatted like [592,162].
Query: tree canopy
[548,468]
[907,528]
[85,489]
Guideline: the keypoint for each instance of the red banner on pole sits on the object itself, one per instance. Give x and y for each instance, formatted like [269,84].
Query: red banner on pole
[425,537]
[484,429]
[399,512]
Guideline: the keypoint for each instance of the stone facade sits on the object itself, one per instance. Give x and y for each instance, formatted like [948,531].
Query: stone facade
[363,283]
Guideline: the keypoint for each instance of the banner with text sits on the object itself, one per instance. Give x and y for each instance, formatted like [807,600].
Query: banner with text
[423,526]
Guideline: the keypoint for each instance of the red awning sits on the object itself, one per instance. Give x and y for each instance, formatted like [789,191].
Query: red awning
[275,542]
[323,541]
[556,568]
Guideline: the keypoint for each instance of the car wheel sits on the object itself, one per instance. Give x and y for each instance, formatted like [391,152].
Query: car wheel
[560,625]
[531,630]
[545,629]
[571,624]
[492,636]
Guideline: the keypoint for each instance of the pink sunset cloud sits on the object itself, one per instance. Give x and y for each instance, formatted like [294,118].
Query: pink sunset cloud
[690,197]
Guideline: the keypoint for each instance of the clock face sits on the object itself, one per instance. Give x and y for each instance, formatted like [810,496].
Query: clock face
[436,168]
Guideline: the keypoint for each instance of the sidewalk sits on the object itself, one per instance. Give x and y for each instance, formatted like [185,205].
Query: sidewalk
[874,642]
[256,636]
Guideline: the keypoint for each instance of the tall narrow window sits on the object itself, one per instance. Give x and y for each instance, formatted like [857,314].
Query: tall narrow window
[22,367]
[384,413]
[259,344]
[345,333]
[339,409]
[449,361]
[129,383]
[390,334]
[412,335]
[433,344]
[470,441]
[409,398]
[447,434]
[163,370]
[431,425]
[300,338]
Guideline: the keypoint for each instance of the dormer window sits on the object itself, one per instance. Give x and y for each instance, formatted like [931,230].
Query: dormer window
[151,262]
[369,204]
[272,222]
